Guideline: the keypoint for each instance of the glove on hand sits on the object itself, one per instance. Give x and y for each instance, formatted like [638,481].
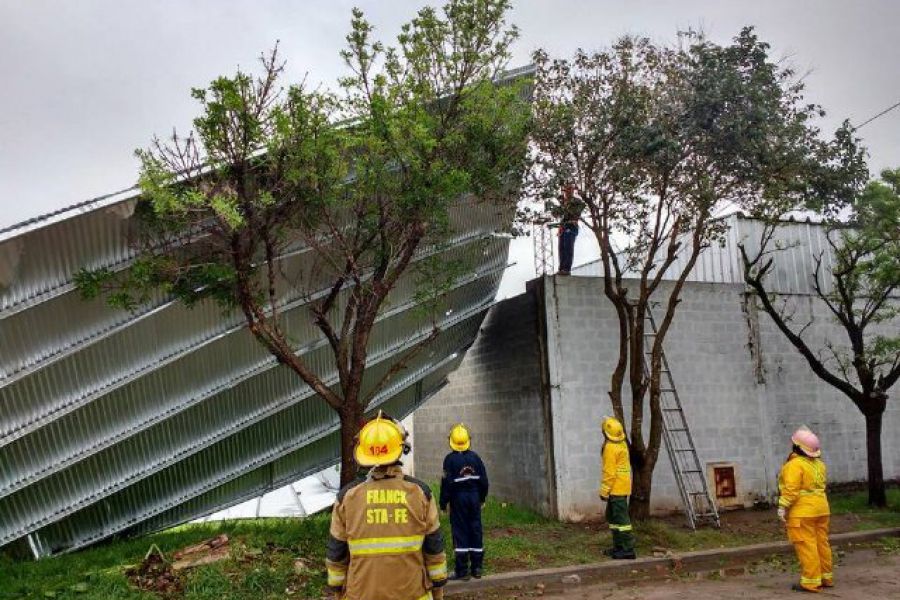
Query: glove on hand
[437,593]
[782,514]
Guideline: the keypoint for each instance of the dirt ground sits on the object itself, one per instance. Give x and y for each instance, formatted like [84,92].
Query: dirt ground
[862,574]
[756,522]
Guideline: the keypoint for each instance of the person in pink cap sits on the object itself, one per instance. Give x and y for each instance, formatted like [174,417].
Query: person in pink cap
[803,508]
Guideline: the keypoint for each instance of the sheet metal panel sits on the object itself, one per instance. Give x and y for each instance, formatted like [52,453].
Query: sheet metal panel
[797,243]
[237,406]
[255,451]
[102,409]
[114,420]
[173,340]
[50,255]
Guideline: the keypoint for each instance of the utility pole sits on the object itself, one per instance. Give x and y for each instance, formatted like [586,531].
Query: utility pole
[543,246]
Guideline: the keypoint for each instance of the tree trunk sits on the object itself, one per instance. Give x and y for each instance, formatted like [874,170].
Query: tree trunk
[877,496]
[641,486]
[351,417]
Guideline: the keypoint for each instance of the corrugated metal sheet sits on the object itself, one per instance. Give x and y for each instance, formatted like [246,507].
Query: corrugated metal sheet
[797,244]
[113,421]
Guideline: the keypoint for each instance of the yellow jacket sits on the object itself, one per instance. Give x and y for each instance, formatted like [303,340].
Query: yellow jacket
[385,540]
[616,470]
[801,485]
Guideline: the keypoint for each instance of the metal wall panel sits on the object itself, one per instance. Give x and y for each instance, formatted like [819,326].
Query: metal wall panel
[797,244]
[253,450]
[125,462]
[109,418]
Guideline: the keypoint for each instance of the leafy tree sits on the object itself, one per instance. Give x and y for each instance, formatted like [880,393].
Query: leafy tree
[657,142]
[364,180]
[857,278]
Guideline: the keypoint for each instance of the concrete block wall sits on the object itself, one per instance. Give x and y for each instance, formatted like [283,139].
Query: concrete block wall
[496,392]
[743,386]
[739,410]
[796,396]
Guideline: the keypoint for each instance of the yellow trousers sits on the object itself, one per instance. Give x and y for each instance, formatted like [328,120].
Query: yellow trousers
[810,538]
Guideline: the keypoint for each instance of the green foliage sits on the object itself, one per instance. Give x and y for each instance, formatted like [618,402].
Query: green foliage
[658,139]
[357,182]
[657,142]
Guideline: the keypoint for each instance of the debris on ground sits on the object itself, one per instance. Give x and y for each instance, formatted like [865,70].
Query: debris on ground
[155,574]
[206,552]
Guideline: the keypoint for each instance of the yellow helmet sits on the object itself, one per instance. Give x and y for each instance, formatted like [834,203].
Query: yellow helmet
[613,429]
[459,438]
[381,442]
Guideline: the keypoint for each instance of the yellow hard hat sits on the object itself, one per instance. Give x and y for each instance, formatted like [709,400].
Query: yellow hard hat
[381,442]
[613,429]
[459,438]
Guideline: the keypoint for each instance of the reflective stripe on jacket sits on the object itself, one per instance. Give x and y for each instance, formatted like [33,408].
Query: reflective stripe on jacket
[385,541]
[616,470]
[801,485]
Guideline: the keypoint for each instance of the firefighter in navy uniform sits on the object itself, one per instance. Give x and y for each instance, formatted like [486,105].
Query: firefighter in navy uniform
[464,489]
[385,540]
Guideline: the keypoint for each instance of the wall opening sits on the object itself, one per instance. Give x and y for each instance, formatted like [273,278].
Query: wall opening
[726,486]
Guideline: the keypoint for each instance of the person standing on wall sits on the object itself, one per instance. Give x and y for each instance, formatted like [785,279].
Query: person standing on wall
[615,488]
[464,489]
[570,209]
[803,508]
[385,540]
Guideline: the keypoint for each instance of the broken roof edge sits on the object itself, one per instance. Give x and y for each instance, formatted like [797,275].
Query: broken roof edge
[67,212]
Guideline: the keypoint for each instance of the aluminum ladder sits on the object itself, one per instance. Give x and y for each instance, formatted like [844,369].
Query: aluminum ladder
[689,474]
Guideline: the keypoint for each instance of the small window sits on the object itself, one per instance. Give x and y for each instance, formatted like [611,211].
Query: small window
[725,484]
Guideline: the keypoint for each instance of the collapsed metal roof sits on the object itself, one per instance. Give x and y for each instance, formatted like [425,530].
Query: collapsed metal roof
[116,422]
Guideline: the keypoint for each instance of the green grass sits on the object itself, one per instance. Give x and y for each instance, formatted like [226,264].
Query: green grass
[261,564]
[854,503]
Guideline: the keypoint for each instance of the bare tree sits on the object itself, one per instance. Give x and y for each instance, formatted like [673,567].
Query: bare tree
[857,278]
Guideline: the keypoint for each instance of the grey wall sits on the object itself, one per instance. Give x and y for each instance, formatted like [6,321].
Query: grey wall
[743,386]
[744,389]
[496,392]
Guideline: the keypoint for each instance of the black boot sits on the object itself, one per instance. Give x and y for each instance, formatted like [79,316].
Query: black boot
[624,555]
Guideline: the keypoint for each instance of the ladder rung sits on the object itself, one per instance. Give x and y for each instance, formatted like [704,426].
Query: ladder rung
[692,471]
[673,430]
[683,449]
[697,493]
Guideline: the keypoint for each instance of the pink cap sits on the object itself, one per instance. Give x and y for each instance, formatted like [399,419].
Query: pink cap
[808,442]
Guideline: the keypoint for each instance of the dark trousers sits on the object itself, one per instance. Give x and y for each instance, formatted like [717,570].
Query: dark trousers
[465,522]
[620,524]
[567,246]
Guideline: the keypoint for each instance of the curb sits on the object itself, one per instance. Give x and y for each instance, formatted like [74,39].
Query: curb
[719,558]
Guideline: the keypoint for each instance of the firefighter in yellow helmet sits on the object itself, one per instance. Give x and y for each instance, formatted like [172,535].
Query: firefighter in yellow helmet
[464,489]
[385,540]
[615,488]
[803,507]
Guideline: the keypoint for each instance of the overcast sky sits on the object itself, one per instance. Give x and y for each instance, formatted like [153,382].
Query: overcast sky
[86,82]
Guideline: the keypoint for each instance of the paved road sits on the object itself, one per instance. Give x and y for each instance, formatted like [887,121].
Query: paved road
[862,575]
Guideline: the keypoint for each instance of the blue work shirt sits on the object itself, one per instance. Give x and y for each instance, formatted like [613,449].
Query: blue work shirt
[464,473]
